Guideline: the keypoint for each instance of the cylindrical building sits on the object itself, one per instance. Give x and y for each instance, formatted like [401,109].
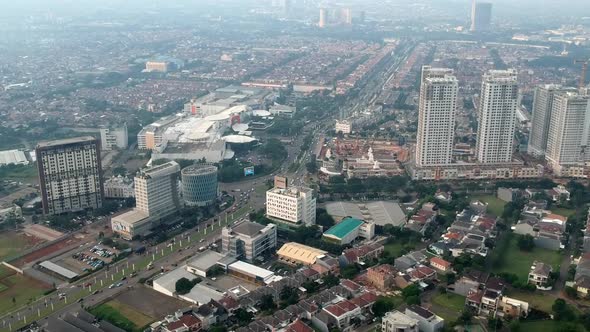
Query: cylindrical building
[199,185]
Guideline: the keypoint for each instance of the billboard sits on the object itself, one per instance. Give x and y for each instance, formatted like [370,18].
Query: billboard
[249,171]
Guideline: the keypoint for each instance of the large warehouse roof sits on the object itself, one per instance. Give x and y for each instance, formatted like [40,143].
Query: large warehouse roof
[379,212]
[343,228]
[205,260]
[297,252]
[251,270]
[62,271]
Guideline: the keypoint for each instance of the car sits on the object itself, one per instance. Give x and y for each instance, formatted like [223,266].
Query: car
[96,292]
[112,286]
[80,300]
[124,278]
[61,295]
[201,240]
[119,284]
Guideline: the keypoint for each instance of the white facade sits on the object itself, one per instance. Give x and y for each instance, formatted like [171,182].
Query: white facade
[156,189]
[70,174]
[542,108]
[568,131]
[114,138]
[119,187]
[294,205]
[499,101]
[13,157]
[436,118]
[343,126]
[156,195]
[395,321]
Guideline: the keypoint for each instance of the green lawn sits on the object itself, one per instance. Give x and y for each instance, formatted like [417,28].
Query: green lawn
[27,173]
[519,262]
[449,306]
[395,249]
[564,212]
[543,326]
[10,244]
[107,312]
[495,205]
[538,300]
[22,289]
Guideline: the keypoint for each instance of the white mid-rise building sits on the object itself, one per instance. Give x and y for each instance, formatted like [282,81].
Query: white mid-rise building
[70,174]
[569,131]
[115,138]
[436,118]
[293,205]
[395,321]
[343,126]
[542,107]
[499,101]
[248,240]
[157,196]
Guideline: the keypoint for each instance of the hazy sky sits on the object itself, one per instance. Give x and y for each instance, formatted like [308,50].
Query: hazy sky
[73,7]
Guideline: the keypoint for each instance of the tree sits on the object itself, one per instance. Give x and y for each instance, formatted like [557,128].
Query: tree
[562,311]
[411,291]
[330,280]
[267,302]
[465,317]
[311,286]
[382,306]
[289,296]
[243,316]
[450,278]
[350,271]
[323,218]
[526,242]
[495,323]
[183,285]
[571,292]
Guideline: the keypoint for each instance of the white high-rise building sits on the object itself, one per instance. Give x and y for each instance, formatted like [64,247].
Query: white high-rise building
[248,240]
[114,138]
[542,107]
[568,135]
[70,174]
[436,118]
[293,205]
[157,196]
[497,116]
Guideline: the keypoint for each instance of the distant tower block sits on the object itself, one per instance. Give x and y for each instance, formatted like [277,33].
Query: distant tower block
[323,18]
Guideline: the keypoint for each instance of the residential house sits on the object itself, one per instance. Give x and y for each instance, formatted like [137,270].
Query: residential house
[508,194]
[343,312]
[582,276]
[540,274]
[440,264]
[409,260]
[427,320]
[443,196]
[185,323]
[439,248]
[298,326]
[395,321]
[382,276]
[558,194]
[362,253]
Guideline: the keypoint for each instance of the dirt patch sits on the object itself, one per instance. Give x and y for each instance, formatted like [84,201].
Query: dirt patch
[46,251]
[142,299]
[43,232]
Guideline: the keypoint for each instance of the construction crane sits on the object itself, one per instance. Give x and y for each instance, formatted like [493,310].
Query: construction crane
[584,63]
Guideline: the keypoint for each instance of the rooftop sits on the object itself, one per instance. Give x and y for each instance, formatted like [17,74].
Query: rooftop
[301,253]
[74,140]
[199,170]
[345,227]
[251,269]
[205,260]
[248,228]
[379,212]
[58,269]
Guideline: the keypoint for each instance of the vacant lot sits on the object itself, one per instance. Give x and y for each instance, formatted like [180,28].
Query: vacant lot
[519,262]
[121,316]
[564,212]
[396,249]
[12,243]
[449,306]
[142,299]
[495,205]
[544,326]
[538,300]
[17,290]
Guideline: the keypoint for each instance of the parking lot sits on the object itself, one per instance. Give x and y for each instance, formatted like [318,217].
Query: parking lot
[92,258]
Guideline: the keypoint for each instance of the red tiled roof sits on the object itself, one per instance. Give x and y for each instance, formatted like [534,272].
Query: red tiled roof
[440,261]
[229,302]
[298,326]
[353,286]
[341,308]
[185,320]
